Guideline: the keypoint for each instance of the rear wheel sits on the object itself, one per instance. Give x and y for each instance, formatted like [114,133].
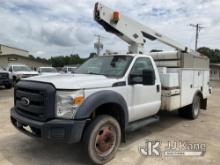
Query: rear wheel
[102,139]
[183,111]
[195,107]
[191,111]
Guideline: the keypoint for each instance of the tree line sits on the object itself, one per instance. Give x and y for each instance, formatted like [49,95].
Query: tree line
[74,59]
[212,54]
[60,61]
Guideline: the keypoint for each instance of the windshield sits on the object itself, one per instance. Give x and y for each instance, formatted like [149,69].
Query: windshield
[21,68]
[110,66]
[50,70]
[1,68]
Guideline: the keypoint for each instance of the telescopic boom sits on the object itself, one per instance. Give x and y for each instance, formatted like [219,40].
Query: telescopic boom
[131,31]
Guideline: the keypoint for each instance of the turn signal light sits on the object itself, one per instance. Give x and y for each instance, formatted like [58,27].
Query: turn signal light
[78,100]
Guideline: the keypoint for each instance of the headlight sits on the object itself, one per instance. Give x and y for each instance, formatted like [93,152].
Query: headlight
[67,103]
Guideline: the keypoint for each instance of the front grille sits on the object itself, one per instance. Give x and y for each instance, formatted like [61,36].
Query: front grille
[3,75]
[35,100]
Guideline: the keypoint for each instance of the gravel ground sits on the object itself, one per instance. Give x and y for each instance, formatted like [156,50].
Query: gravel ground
[19,149]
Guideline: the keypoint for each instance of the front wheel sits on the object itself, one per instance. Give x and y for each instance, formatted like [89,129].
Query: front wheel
[102,139]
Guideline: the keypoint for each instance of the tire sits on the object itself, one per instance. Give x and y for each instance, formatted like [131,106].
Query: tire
[101,139]
[191,111]
[183,111]
[195,107]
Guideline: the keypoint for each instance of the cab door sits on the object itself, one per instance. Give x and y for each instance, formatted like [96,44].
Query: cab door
[143,90]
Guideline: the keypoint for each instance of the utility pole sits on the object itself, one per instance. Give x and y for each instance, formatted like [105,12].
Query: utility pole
[98,45]
[198,28]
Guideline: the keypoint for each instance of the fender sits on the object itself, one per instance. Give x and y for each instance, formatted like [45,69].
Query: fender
[198,92]
[92,102]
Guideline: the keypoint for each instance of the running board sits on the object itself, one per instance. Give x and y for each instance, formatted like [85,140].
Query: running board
[141,123]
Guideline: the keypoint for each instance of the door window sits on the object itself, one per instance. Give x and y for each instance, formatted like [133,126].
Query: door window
[141,64]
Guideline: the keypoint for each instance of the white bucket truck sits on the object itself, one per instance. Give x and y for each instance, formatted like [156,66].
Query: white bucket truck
[109,95]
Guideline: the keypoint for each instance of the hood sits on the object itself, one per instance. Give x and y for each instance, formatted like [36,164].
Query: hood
[3,71]
[27,72]
[48,73]
[76,81]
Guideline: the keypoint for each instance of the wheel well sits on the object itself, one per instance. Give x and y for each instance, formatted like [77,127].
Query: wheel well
[199,93]
[113,110]
[203,102]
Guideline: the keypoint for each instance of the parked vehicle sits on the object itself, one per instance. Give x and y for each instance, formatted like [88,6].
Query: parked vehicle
[110,95]
[18,71]
[68,69]
[47,71]
[4,79]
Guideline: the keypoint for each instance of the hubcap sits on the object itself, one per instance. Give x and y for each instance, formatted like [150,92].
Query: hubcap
[105,140]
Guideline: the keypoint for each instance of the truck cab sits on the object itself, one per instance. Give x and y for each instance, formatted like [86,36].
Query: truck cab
[126,76]
[60,107]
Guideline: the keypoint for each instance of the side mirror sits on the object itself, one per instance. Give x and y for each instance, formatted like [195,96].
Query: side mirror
[147,78]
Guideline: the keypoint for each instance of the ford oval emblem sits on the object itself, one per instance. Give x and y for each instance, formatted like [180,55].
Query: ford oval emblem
[25,101]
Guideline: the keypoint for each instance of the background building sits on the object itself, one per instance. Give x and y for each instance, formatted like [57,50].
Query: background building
[18,56]
[215,71]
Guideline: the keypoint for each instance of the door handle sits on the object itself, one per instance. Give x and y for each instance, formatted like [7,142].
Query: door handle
[158,87]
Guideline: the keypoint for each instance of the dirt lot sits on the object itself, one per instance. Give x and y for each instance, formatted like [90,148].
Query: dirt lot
[16,148]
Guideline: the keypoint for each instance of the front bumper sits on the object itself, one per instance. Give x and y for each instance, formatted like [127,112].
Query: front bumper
[5,82]
[68,131]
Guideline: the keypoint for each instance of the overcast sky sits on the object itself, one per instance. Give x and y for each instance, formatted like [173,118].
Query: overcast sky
[61,27]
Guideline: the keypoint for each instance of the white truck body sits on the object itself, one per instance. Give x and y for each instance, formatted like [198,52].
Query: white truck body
[177,85]
[189,81]
[109,95]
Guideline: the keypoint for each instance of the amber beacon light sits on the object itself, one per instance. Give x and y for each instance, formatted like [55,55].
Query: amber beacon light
[115,17]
